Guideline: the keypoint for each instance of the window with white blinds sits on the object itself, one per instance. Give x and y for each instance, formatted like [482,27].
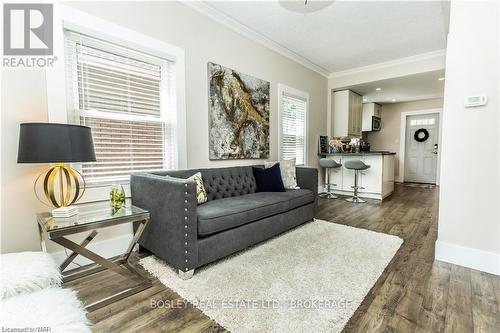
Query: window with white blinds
[293,127]
[128,99]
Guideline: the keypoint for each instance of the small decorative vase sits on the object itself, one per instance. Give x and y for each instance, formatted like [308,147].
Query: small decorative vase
[117,197]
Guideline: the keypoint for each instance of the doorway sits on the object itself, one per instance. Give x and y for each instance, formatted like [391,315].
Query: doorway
[421,148]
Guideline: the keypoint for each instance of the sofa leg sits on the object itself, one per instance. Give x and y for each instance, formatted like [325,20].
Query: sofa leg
[186,275]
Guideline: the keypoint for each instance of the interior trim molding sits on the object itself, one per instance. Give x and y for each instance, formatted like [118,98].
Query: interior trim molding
[488,262]
[242,29]
[66,17]
[282,89]
[391,63]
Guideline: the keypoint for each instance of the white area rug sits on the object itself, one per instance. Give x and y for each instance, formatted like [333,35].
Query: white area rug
[310,279]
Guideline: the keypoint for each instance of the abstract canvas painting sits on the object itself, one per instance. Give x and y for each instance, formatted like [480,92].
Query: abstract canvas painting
[239,115]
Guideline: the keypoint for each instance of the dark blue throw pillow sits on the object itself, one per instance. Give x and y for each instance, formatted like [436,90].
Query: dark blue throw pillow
[269,180]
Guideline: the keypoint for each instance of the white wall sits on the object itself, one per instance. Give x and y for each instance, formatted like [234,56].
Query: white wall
[388,137]
[469,226]
[24,99]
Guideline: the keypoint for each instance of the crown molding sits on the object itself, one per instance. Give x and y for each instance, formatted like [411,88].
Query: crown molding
[242,29]
[391,63]
[219,17]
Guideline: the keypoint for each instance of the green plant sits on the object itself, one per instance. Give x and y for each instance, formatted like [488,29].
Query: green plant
[117,196]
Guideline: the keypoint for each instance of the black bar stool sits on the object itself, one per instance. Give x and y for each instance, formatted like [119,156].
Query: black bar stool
[356,165]
[328,164]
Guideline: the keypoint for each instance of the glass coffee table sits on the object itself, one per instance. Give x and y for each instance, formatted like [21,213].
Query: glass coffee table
[90,218]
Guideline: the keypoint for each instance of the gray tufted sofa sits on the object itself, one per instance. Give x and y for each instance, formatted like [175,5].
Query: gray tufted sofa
[187,235]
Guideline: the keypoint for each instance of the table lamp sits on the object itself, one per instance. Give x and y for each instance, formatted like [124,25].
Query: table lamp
[59,144]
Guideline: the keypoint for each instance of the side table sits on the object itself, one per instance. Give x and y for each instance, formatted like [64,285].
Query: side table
[91,218]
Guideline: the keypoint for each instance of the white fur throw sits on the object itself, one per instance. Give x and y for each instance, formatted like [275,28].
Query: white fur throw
[54,308]
[25,272]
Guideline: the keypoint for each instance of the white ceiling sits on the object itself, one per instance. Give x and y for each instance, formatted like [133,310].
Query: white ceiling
[347,35]
[402,89]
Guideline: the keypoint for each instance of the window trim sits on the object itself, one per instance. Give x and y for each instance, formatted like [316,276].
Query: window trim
[66,17]
[282,88]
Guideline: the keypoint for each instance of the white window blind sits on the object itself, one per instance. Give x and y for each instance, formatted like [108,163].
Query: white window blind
[128,99]
[293,128]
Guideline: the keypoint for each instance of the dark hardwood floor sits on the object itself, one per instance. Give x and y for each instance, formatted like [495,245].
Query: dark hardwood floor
[414,294]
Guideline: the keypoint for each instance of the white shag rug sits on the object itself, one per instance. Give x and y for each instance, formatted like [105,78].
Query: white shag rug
[310,279]
[26,272]
[54,310]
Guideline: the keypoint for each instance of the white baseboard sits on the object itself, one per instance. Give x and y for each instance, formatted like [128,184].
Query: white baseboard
[106,248]
[468,257]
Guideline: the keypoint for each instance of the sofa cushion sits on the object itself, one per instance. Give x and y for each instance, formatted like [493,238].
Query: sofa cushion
[220,182]
[269,180]
[218,215]
[201,194]
[299,197]
[228,182]
[288,172]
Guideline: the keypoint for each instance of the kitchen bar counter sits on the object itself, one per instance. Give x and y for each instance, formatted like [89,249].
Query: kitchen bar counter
[358,154]
[377,182]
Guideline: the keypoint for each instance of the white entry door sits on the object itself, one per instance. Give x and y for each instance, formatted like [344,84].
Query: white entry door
[421,157]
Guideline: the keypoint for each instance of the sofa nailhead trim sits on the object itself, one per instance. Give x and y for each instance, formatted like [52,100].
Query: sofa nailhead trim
[186,260]
[185,227]
[186,243]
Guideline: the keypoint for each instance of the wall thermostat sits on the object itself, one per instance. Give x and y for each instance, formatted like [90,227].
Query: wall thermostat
[478,100]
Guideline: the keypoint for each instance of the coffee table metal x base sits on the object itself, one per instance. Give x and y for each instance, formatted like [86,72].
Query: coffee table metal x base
[119,265]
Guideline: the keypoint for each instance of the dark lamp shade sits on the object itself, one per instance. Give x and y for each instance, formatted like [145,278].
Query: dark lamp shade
[55,143]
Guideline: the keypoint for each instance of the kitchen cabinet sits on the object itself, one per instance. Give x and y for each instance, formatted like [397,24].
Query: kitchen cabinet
[369,110]
[388,175]
[372,177]
[346,113]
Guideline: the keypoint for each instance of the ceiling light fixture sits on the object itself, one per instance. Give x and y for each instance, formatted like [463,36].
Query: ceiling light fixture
[365,100]
[393,100]
[304,6]
[441,79]
[378,89]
